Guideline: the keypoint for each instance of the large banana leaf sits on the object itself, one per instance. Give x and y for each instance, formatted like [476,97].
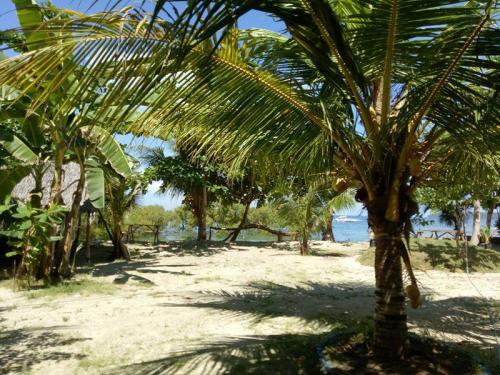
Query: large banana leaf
[30,17]
[109,148]
[17,148]
[95,183]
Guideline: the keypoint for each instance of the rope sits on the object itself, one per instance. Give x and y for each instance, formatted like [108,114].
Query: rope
[486,299]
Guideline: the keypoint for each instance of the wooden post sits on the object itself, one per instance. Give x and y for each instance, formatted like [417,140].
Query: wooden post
[87,239]
[157,234]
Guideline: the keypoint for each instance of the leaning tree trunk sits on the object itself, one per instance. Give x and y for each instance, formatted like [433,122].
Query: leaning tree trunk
[69,226]
[476,222]
[390,328]
[237,232]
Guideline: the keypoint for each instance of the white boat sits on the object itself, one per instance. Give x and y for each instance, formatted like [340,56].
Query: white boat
[344,219]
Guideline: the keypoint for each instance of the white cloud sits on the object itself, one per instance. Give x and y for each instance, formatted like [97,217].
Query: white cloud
[154,187]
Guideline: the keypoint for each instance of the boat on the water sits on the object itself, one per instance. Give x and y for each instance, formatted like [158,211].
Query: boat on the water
[344,219]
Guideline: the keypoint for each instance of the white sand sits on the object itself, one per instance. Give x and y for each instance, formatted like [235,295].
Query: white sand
[242,292]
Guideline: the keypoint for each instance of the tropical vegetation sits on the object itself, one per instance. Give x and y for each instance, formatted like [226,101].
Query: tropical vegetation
[389,103]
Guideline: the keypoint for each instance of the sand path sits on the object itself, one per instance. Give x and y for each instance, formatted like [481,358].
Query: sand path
[169,301]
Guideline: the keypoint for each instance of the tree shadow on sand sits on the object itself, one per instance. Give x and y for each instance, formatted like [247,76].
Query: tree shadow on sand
[273,354]
[146,267]
[325,306]
[320,306]
[101,254]
[312,302]
[22,348]
[122,270]
[465,320]
[194,248]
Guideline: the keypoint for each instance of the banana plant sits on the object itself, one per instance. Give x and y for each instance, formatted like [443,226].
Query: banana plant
[90,146]
[101,149]
[22,157]
[94,151]
[29,233]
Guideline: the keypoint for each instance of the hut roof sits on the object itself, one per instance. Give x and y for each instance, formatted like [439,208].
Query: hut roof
[71,174]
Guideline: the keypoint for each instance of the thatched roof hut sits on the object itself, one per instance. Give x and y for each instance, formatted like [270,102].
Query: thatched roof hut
[71,174]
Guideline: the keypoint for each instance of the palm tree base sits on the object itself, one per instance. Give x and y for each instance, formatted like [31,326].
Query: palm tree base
[354,353]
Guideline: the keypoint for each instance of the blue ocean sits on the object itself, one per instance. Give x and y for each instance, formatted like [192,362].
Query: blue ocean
[346,228]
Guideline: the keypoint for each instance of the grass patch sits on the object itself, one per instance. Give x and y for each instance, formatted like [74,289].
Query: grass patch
[98,362]
[7,284]
[94,362]
[432,254]
[207,278]
[81,287]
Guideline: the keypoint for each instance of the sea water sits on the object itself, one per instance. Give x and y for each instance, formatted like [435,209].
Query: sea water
[345,229]
[353,230]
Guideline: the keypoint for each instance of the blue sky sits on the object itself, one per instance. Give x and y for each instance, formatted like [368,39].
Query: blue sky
[8,20]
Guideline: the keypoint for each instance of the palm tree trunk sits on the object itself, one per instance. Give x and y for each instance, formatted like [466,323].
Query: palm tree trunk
[117,239]
[328,235]
[390,328]
[236,233]
[476,222]
[120,250]
[489,214]
[304,244]
[459,215]
[200,208]
[69,225]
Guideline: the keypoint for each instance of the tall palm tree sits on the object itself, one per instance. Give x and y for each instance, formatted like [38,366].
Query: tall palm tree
[362,90]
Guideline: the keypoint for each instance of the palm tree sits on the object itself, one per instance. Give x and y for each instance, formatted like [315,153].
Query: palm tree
[333,203]
[121,194]
[300,205]
[362,90]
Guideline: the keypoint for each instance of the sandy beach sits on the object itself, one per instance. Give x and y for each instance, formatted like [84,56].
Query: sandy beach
[170,309]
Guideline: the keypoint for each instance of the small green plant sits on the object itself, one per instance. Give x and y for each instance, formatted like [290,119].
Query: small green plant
[484,235]
[30,232]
